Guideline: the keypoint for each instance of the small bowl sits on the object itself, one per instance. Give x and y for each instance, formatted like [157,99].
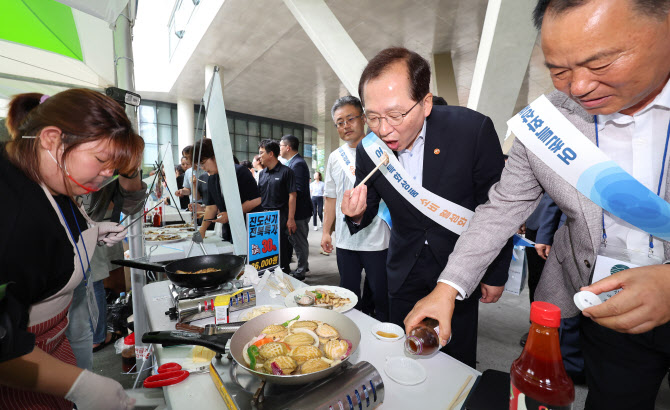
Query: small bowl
[388,328]
[404,370]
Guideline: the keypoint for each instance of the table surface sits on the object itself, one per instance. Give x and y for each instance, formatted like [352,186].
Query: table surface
[445,375]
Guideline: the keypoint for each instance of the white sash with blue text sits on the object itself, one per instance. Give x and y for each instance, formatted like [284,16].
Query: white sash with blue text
[446,213]
[562,147]
[348,165]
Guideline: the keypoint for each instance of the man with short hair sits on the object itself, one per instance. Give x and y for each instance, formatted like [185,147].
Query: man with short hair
[276,183]
[610,62]
[288,147]
[368,248]
[447,159]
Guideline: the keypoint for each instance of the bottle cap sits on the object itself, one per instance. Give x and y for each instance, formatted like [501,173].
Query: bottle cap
[545,314]
[586,299]
[130,339]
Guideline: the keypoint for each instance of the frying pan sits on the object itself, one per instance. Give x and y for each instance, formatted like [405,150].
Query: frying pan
[230,266]
[251,329]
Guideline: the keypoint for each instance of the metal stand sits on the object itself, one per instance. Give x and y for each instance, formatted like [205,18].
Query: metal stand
[196,238]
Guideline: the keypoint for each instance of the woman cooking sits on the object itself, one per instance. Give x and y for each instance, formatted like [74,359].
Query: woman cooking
[67,145]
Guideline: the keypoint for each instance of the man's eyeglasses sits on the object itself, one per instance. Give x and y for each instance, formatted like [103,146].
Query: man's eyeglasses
[350,120]
[392,118]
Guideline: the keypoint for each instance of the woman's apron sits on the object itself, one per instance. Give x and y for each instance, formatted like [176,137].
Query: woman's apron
[48,320]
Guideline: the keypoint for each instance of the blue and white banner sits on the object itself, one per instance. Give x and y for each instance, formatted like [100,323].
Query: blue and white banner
[348,164]
[446,213]
[560,145]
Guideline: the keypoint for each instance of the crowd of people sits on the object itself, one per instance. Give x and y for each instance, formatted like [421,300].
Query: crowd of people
[609,61]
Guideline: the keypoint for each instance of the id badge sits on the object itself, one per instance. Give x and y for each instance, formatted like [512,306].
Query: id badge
[93,310]
[612,259]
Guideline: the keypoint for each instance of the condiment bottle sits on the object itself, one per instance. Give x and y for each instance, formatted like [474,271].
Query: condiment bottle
[424,339]
[538,378]
[128,359]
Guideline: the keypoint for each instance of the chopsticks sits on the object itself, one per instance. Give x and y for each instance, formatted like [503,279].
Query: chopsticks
[460,396]
[384,161]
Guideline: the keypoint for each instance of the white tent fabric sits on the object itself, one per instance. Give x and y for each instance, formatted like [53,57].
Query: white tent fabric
[107,10]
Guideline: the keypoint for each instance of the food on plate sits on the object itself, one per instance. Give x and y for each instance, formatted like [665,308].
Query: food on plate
[325,297]
[179,226]
[335,348]
[294,348]
[387,334]
[162,237]
[257,311]
[301,354]
[274,349]
[206,270]
[314,365]
[307,324]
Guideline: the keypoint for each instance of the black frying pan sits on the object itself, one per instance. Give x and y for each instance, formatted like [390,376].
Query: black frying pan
[230,266]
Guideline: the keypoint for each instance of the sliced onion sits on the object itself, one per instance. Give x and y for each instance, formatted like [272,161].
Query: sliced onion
[311,333]
[245,354]
[348,349]
[276,370]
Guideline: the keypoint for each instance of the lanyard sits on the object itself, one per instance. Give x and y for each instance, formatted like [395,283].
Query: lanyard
[81,262]
[660,182]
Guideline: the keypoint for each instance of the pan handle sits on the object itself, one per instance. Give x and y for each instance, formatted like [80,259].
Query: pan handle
[154,267]
[178,337]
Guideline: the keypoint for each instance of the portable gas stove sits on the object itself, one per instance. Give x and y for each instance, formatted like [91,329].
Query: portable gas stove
[358,386]
[191,304]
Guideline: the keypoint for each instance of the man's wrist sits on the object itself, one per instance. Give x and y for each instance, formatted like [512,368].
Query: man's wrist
[447,290]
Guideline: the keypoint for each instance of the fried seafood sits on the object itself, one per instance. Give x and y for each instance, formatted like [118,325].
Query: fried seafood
[276,332]
[270,350]
[314,365]
[285,363]
[335,349]
[306,324]
[298,339]
[301,354]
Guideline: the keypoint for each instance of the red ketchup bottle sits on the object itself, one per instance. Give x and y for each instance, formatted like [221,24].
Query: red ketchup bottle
[539,380]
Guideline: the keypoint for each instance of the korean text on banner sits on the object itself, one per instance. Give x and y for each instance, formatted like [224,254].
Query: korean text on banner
[263,233]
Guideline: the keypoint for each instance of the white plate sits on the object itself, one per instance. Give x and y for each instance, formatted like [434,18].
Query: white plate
[247,315]
[341,292]
[388,328]
[404,370]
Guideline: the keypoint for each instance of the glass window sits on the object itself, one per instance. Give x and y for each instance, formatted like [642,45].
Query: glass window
[287,131]
[231,124]
[241,155]
[253,128]
[298,133]
[276,132]
[175,116]
[164,114]
[148,112]
[164,134]
[150,154]
[266,130]
[149,133]
[240,143]
[241,127]
[253,144]
[308,136]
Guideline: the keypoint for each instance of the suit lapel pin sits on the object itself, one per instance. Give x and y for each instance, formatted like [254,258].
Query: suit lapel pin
[436,151]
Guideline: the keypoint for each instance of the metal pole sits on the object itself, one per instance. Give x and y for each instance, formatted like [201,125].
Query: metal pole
[123,60]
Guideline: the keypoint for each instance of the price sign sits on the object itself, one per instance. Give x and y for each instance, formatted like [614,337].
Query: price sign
[263,232]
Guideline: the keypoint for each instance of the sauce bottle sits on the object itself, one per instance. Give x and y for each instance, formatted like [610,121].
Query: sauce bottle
[538,378]
[424,339]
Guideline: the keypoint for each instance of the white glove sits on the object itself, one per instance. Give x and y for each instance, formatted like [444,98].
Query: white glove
[94,392]
[116,233]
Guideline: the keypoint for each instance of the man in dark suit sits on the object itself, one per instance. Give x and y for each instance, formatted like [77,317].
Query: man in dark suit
[450,151]
[288,149]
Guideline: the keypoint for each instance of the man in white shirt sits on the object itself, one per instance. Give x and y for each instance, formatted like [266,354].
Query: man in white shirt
[368,248]
[610,61]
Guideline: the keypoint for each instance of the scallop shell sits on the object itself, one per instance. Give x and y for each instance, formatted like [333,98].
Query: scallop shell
[335,349]
[276,332]
[313,365]
[303,353]
[299,339]
[285,363]
[306,324]
[272,349]
[326,331]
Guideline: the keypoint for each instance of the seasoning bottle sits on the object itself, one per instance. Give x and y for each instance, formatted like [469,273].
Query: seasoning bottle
[424,339]
[538,378]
